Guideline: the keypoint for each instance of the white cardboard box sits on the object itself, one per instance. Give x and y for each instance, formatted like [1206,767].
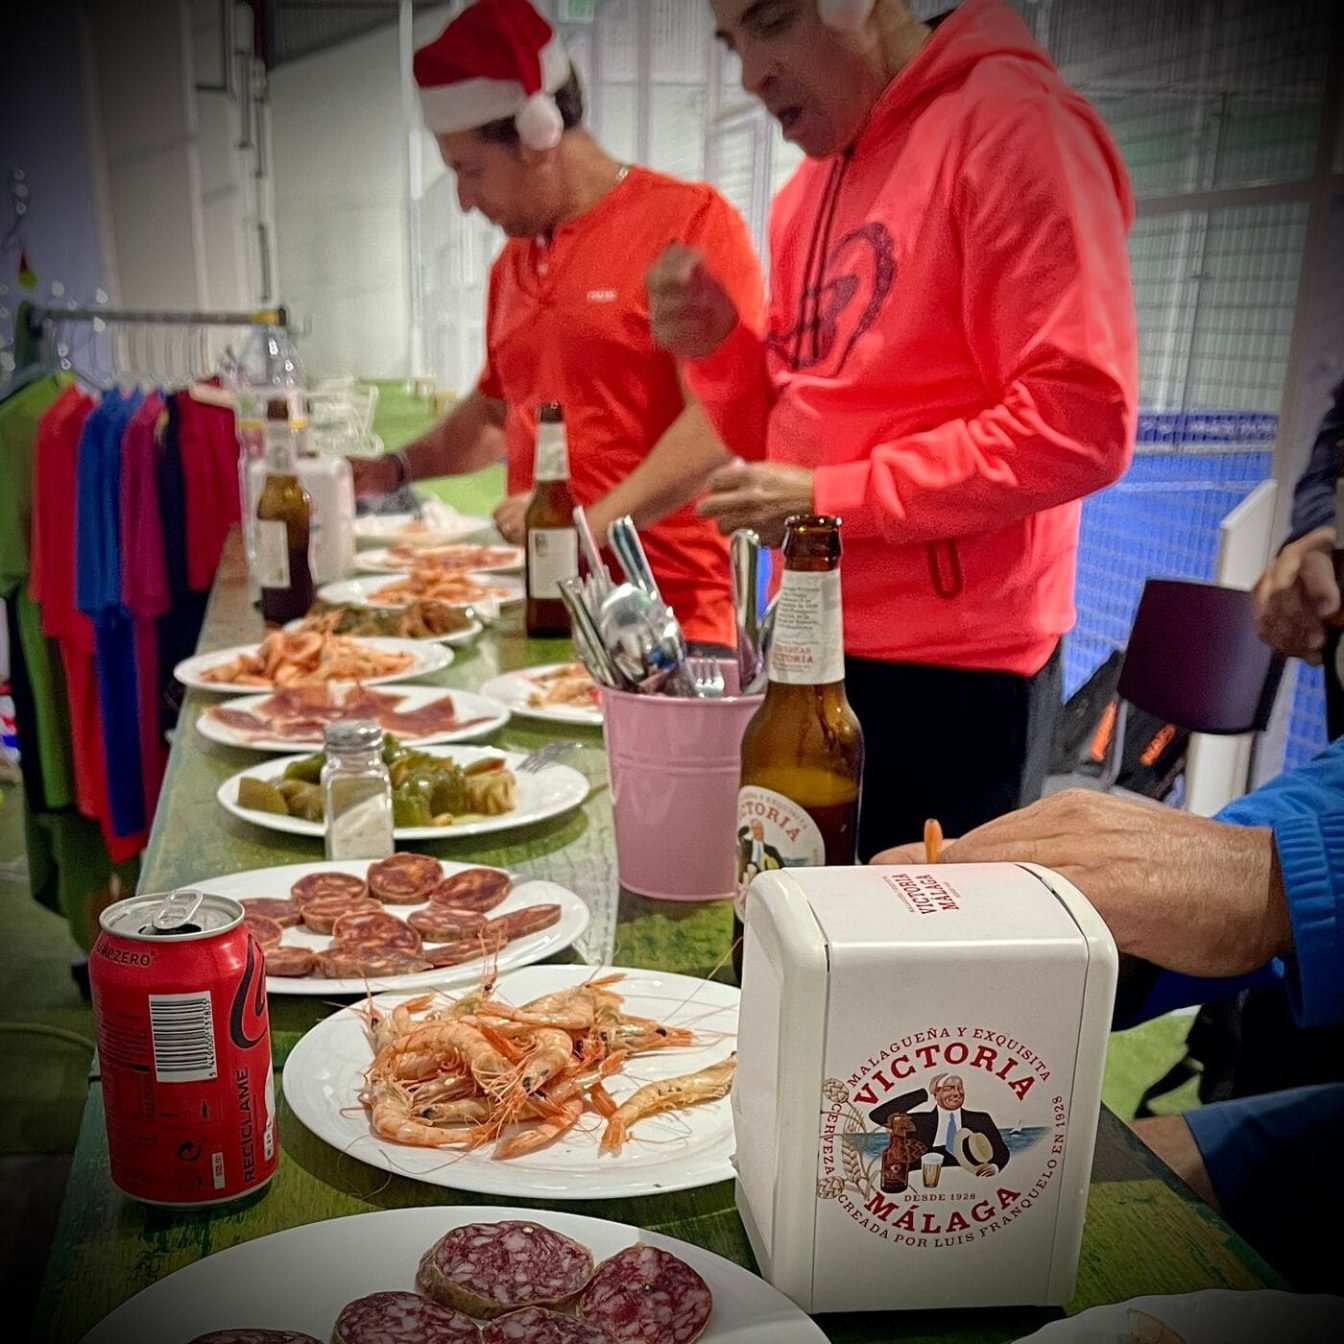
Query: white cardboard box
[864,990]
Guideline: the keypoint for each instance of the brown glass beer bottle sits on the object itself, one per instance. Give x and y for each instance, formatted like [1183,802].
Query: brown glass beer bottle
[284,522]
[802,753]
[552,541]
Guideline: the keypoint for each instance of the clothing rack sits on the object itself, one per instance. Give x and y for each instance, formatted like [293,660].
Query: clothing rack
[33,320]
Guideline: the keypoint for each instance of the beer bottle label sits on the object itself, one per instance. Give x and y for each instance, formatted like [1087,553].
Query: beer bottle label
[808,647]
[552,555]
[272,553]
[772,832]
[551,462]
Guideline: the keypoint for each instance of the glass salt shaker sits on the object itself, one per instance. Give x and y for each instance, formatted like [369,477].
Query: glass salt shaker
[356,792]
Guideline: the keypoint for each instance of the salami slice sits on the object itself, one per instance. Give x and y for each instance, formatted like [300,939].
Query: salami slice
[328,884]
[403,1318]
[321,912]
[473,889]
[266,931]
[541,1325]
[290,961]
[644,1295]
[444,924]
[341,962]
[482,943]
[285,913]
[255,1337]
[404,879]
[530,919]
[486,1269]
[374,928]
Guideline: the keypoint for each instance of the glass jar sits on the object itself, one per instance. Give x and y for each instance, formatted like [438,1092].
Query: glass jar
[356,792]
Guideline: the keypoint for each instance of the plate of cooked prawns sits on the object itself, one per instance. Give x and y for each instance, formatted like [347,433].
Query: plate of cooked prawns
[564,1082]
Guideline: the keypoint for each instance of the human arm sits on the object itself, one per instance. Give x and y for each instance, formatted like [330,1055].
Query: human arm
[471,436]
[1314,493]
[1048,313]
[705,306]
[673,473]
[1296,595]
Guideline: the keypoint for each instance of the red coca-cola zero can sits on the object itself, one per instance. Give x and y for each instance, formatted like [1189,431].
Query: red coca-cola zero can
[184,1049]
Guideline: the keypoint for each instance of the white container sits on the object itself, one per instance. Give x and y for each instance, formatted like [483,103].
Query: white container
[863,991]
[329,483]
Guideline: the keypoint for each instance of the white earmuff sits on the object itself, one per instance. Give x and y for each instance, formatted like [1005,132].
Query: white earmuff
[845,15]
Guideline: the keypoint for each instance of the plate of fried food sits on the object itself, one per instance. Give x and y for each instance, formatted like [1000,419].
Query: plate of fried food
[430,621]
[438,793]
[462,1275]
[297,716]
[559,692]
[310,658]
[436,524]
[409,921]
[557,1082]
[463,557]
[484,593]
[1214,1316]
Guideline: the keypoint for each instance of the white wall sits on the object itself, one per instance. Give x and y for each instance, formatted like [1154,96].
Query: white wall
[341,188]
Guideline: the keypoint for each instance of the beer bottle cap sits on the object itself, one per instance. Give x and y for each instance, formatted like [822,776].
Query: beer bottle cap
[549,413]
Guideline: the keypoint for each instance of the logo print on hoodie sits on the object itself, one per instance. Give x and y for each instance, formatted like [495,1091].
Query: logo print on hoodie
[844,300]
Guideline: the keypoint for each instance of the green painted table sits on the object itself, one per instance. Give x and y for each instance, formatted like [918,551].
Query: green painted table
[1145,1231]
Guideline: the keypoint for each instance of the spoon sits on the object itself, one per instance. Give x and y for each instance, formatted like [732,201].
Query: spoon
[644,641]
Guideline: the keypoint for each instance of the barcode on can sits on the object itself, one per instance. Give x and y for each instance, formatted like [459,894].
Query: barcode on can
[183,1029]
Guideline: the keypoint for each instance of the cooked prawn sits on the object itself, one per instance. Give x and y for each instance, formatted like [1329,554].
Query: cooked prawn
[687,1089]
[538,1136]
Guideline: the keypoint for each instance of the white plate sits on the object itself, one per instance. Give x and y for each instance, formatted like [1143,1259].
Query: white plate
[364,593]
[675,1151]
[441,526]
[550,792]
[300,1279]
[481,715]
[382,560]
[514,689]
[426,657]
[1215,1316]
[520,952]
[456,639]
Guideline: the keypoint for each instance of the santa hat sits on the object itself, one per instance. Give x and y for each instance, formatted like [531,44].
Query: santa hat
[497,59]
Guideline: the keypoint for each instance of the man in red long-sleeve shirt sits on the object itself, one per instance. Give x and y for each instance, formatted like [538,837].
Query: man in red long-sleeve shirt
[950,366]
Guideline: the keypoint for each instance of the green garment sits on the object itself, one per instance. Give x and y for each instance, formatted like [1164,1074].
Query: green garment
[19,416]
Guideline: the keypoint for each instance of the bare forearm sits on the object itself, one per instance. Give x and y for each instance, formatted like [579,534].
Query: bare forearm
[470,437]
[672,474]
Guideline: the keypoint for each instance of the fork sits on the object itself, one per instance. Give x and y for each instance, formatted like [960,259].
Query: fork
[708,677]
[544,756]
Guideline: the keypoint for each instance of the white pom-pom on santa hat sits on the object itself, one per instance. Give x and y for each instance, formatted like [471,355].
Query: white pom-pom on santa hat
[540,124]
[498,59]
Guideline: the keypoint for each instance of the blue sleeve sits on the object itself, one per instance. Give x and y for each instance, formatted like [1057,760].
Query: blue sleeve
[1314,494]
[1305,810]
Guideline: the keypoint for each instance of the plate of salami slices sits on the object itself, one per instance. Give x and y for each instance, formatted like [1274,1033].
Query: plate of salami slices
[408,922]
[460,1276]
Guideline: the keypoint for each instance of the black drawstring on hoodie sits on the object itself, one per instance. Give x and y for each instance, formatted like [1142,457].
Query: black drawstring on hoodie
[818,253]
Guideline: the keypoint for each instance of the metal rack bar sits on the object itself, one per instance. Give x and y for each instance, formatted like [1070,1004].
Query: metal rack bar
[257,317]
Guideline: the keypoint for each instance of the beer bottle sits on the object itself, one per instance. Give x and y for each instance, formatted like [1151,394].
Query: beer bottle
[552,541]
[284,519]
[802,753]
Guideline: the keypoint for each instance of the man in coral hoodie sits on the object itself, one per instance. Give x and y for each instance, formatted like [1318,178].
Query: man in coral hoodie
[950,366]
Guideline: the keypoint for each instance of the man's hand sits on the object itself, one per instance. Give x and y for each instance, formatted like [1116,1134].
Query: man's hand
[986,1169]
[509,517]
[759,495]
[374,475]
[1297,594]
[1183,892]
[690,312]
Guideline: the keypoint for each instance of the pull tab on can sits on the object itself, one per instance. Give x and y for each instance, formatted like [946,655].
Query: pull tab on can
[176,911]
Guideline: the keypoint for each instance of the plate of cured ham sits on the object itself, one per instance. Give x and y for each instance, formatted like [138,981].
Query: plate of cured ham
[417,1275]
[585,1083]
[486,559]
[559,692]
[415,715]
[410,921]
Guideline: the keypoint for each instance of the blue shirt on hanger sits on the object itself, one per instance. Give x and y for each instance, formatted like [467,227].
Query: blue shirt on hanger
[98,595]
